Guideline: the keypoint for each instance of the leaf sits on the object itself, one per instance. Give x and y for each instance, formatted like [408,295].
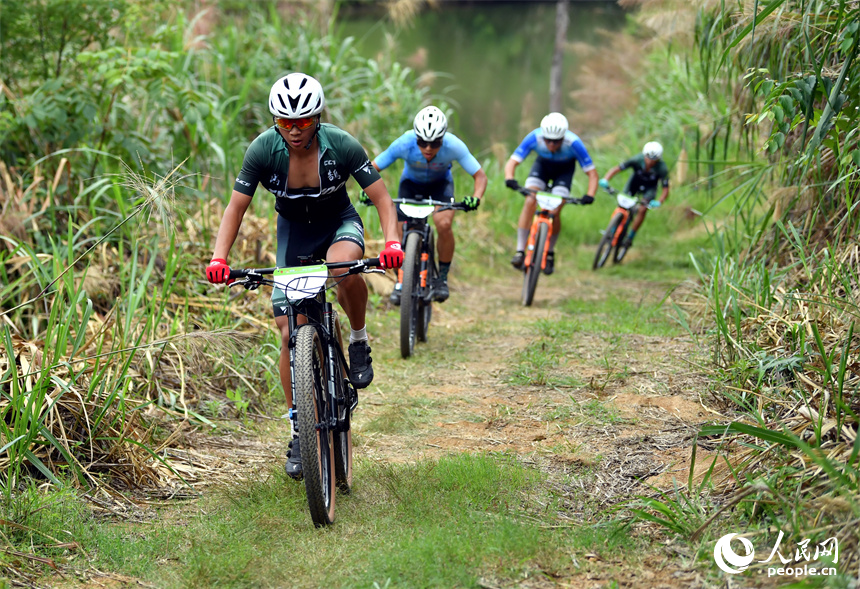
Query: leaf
[855,155]
[778,113]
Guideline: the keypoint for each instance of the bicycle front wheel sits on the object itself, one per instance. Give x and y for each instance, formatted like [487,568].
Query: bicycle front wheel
[604,248]
[532,272]
[315,436]
[408,296]
[343,438]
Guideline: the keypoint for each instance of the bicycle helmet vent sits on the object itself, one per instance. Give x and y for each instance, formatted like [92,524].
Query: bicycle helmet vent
[554,126]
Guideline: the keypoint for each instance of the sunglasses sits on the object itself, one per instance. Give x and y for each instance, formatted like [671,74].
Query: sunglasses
[436,143]
[302,124]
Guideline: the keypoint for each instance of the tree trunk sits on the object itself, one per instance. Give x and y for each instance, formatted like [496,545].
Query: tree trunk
[556,99]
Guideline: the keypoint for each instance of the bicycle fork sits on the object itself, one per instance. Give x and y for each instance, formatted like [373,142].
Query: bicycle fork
[531,244]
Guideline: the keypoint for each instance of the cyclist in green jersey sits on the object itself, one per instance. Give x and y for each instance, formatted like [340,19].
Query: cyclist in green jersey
[305,164]
[649,170]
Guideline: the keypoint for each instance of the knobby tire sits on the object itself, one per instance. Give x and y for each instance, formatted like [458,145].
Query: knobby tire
[533,271]
[408,300]
[317,445]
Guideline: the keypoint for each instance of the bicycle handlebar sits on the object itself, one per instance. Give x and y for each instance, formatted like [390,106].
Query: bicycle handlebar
[613,192]
[567,199]
[355,266]
[444,205]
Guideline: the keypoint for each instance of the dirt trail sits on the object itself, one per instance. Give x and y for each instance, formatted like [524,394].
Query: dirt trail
[634,414]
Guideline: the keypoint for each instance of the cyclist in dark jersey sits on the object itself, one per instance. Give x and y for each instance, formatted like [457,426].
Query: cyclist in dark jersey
[428,152]
[305,164]
[649,170]
[558,149]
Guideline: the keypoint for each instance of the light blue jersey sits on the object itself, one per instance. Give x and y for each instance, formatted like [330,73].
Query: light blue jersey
[418,169]
[571,148]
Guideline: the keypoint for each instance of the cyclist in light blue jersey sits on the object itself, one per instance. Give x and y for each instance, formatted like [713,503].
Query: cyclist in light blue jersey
[558,150]
[428,152]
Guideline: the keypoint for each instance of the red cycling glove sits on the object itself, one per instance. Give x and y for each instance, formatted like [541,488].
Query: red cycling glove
[391,256]
[218,271]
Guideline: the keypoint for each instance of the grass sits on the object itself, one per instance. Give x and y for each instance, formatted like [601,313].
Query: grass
[434,523]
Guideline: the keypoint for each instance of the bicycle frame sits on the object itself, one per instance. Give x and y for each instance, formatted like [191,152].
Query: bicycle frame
[546,203]
[627,214]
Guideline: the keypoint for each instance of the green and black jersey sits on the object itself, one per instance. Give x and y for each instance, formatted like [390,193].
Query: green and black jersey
[643,181]
[267,162]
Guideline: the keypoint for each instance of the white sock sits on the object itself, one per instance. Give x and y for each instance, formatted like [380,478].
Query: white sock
[358,335]
[522,238]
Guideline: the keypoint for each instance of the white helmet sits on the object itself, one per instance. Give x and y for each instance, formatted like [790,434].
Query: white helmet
[652,150]
[430,123]
[554,126]
[296,96]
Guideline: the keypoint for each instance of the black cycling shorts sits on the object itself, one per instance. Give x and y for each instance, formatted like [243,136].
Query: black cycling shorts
[300,242]
[545,171]
[440,190]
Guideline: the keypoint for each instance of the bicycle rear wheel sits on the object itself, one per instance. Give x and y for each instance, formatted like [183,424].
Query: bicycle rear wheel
[425,306]
[316,442]
[343,439]
[408,298]
[604,248]
[532,272]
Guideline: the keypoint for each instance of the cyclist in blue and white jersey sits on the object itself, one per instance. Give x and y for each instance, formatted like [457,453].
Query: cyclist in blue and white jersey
[558,150]
[428,152]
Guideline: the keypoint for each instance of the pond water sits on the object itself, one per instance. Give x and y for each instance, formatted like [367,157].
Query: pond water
[491,59]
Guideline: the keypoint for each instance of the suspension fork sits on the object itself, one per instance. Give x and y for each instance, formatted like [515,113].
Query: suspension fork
[622,226]
[540,218]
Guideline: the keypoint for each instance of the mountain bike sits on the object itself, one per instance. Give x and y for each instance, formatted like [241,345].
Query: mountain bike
[616,231]
[323,395]
[539,236]
[420,269]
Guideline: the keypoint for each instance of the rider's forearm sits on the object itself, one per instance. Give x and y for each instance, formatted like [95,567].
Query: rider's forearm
[510,168]
[378,194]
[480,183]
[230,222]
[612,173]
[593,179]
[665,195]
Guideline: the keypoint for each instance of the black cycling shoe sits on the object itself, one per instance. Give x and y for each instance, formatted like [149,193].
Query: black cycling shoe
[360,369]
[294,462]
[550,263]
[627,241]
[518,260]
[440,290]
[394,298]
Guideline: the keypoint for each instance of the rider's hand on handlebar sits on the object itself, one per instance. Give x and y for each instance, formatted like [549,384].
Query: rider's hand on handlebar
[654,203]
[586,199]
[472,202]
[218,271]
[364,199]
[512,184]
[604,183]
[391,256]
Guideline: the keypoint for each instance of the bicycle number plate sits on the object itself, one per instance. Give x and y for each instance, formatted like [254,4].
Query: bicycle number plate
[301,282]
[417,211]
[547,200]
[626,202]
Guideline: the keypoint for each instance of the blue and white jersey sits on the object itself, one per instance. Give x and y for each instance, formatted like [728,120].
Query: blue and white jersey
[417,168]
[571,148]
